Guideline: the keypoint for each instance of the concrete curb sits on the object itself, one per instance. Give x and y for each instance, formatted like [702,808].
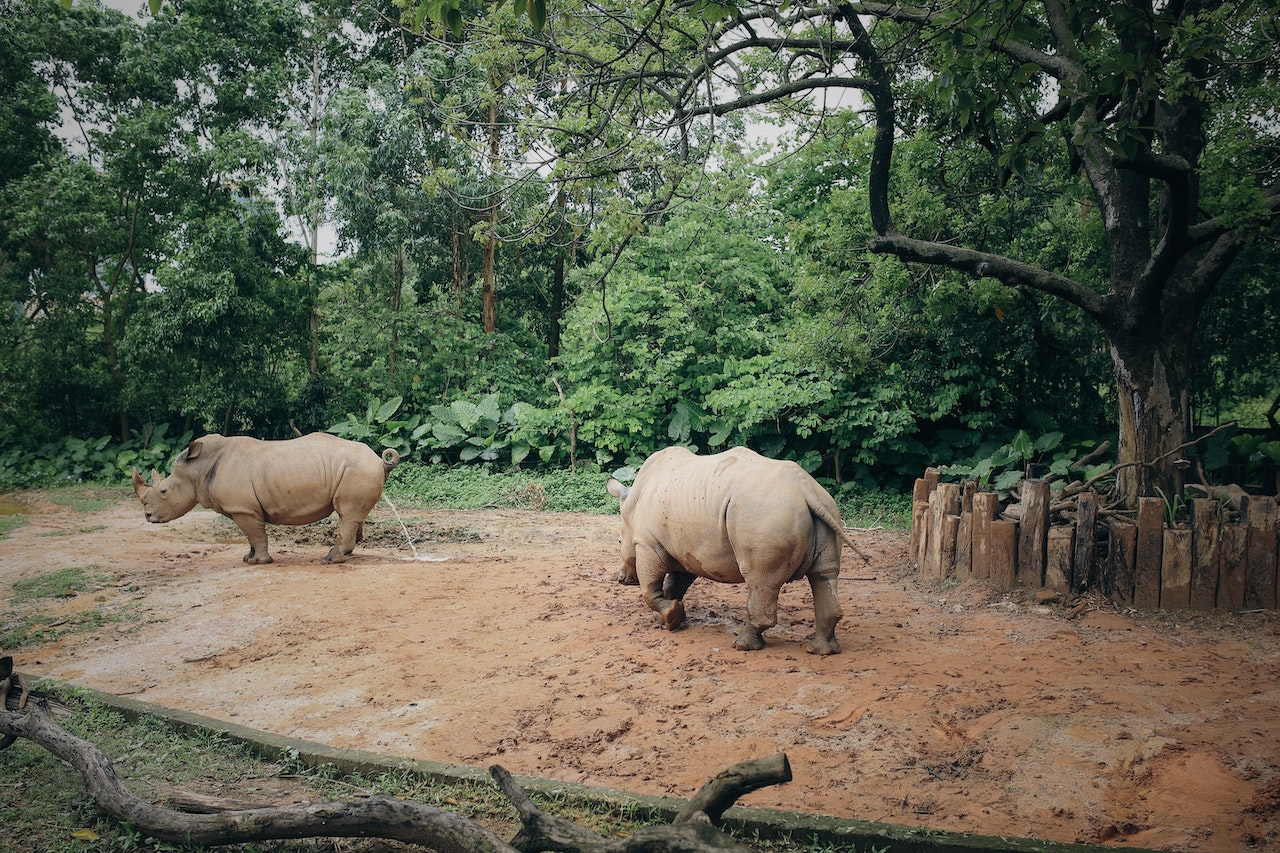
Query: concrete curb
[772,824]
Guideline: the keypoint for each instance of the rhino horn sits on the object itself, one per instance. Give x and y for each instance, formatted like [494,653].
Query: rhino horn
[155,477]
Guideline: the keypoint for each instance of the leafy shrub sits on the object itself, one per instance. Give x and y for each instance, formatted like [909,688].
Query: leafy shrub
[76,460]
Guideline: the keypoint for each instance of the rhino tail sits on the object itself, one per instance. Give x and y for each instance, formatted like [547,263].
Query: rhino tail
[390,459]
[824,515]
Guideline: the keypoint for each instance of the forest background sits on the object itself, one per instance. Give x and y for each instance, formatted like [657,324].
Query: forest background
[168,178]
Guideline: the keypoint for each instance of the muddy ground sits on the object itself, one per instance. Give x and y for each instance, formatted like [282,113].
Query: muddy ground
[952,707]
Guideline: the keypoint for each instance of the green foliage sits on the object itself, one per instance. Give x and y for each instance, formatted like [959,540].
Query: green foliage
[1000,468]
[73,460]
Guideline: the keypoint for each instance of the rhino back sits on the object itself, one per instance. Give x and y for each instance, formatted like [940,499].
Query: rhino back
[292,481]
[708,511]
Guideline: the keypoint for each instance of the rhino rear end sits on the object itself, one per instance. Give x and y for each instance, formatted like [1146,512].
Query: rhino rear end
[732,517]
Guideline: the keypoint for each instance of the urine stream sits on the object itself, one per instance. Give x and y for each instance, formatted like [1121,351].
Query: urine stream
[417,555]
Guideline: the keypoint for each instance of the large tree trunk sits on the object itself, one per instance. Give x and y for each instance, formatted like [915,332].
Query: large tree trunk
[1154,422]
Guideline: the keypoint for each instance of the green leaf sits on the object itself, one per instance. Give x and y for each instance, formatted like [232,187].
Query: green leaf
[538,14]
[388,409]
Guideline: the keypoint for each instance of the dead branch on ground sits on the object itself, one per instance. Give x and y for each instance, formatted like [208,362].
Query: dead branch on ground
[693,830]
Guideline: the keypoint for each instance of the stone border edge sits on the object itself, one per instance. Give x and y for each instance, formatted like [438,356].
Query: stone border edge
[774,824]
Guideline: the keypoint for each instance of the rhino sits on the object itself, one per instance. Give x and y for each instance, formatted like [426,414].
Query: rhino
[732,517]
[255,482]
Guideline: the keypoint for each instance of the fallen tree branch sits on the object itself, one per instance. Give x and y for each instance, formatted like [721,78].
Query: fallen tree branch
[384,817]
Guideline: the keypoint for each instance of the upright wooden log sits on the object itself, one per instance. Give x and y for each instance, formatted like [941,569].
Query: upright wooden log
[1175,569]
[986,505]
[1084,560]
[964,532]
[1122,550]
[1058,558]
[919,508]
[1206,557]
[1146,580]
[943,503]
[1004,553]
[1233,559]
[964,542]
[1033,536]
[1259,514]
[950,532]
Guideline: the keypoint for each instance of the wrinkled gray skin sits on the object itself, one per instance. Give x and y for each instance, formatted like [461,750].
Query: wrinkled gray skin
[733,517]
[254,482]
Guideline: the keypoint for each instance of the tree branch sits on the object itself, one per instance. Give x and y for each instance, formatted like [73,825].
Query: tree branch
[383,817]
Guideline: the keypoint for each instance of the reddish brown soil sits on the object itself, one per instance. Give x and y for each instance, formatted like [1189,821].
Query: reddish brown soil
[954,708]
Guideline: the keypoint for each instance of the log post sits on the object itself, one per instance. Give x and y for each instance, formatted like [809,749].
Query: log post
[1033,536]
[1121,554]
[1058,557]
[1084,560]
[986,505]
[1259,516]
[1146,580]
[964,544]
[1175,569]
[1206,533]
[1233,557]
[919,512]
[1004,553]
[944,503]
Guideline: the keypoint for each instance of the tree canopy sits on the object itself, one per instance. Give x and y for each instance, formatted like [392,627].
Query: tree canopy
[561,239]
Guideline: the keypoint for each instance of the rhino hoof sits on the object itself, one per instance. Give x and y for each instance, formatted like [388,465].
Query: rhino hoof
[823,647]
[252,559]
[673,616]
[748,642]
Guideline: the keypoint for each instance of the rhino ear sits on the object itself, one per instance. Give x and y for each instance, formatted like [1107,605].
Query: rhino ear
[139,485]
[616,489]
[192,451]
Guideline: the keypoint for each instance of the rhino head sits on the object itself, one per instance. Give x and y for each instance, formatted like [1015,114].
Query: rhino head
[167,499]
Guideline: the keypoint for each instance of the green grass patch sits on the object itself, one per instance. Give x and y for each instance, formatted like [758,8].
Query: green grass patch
[481,487]
[10,523]
[63,583]
[85,499]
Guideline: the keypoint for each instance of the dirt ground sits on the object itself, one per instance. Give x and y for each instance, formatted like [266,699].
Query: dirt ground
[509,641]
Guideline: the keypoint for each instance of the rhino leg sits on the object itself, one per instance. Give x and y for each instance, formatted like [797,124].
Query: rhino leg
[255,530]
[651,571]
[826,613]
[348,534]
[762,614]
[676,584]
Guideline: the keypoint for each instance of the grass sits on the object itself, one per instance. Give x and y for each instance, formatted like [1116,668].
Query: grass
[24,622]
[44,806]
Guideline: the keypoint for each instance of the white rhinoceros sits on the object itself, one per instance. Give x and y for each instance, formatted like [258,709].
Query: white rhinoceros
[733,517]
[255,482]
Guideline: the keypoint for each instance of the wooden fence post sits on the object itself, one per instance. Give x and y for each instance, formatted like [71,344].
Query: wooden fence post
[1085,559]
[1004,553]
[1146,580]
[1122,552]
[1258,513]
[1233,557]
[1175,569]
[1206,556]
[919,510]
[1033,536]
[1058,558]
[985,507]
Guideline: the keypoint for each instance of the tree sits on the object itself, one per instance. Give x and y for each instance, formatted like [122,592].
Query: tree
[1164,112]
